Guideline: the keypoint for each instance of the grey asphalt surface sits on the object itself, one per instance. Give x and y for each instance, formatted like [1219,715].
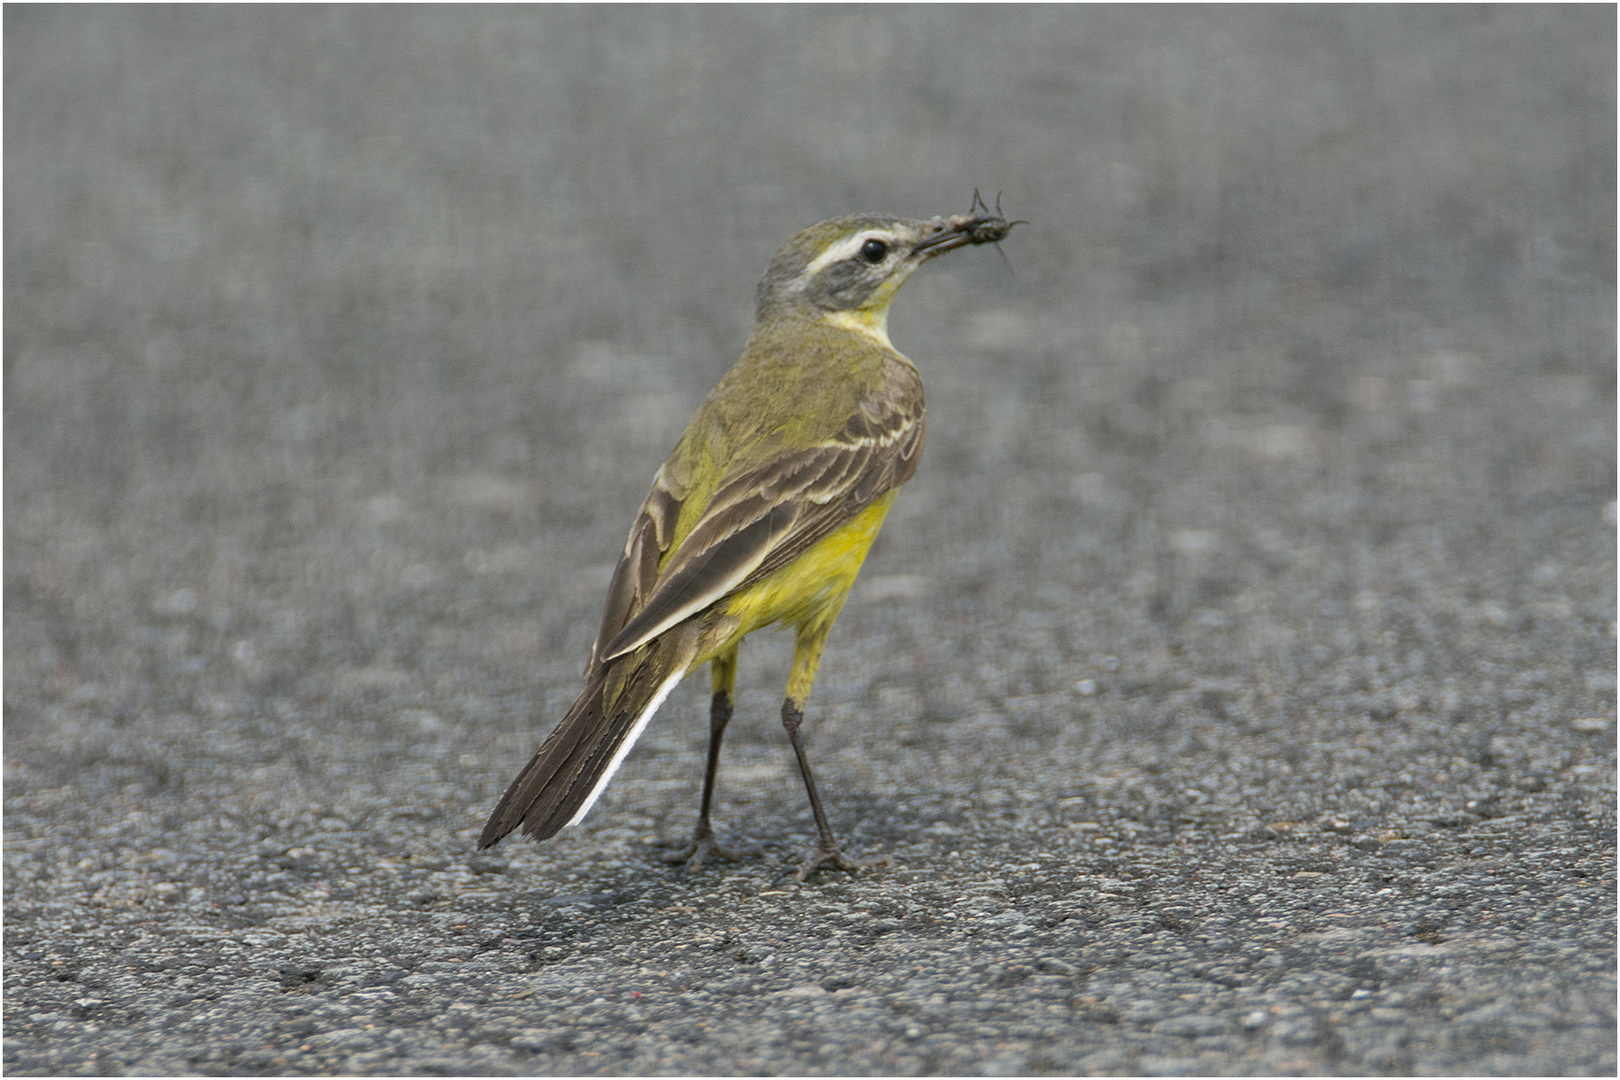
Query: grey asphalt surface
[1233,687]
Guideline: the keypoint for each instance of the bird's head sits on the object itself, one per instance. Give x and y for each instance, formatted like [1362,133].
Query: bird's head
[848,270]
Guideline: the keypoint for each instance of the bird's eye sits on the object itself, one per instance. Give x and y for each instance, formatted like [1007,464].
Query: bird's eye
[874,250]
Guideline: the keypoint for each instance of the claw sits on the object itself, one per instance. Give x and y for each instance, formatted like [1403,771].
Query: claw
[837,860]
[697,850]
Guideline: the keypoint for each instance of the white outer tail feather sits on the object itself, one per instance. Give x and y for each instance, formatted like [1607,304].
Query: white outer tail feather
[624,747]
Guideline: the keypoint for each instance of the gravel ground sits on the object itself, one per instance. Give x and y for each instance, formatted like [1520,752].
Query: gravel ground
[1233,688]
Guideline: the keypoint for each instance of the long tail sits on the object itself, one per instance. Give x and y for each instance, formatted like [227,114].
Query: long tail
[561,782]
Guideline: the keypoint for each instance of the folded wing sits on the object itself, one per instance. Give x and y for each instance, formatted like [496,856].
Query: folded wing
[758,520]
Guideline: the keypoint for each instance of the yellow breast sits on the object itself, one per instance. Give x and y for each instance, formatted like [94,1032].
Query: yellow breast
[812,587]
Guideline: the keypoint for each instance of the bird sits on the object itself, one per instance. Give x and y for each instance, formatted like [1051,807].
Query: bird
[761,516]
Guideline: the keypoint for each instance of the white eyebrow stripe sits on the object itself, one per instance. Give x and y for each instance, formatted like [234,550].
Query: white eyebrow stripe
[844,249]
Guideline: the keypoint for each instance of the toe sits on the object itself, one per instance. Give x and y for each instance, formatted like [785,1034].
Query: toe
[683,853]
[837,860]
[697,851]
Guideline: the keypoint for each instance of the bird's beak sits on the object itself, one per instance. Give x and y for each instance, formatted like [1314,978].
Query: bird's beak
[960,230]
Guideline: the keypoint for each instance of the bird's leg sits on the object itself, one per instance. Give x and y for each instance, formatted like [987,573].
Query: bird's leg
[826,851]
[806,658]
[702,844]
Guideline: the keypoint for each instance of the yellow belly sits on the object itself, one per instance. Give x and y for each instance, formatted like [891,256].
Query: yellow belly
[811,589]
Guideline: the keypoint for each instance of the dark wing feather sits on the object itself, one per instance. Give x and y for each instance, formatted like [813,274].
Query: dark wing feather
[710,573]
[765,518]
[637,573]
[870,475]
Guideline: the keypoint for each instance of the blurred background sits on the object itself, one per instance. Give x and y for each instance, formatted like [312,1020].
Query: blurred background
[347,339]
[1263,543]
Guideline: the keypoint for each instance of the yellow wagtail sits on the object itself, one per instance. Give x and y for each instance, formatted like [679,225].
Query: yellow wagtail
[762,515]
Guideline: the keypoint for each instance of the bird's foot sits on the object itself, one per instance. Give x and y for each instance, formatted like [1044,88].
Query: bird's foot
[697,850]
[832,857]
